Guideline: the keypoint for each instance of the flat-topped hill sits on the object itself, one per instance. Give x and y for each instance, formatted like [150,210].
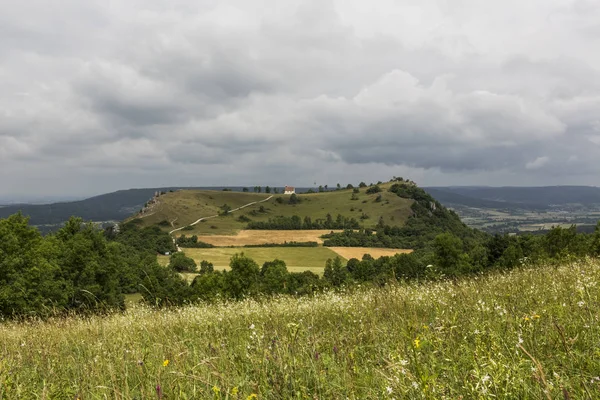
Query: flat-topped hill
[343,208]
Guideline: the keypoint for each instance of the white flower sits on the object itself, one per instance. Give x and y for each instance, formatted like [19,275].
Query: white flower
[485,378]
[252,326]
[403,362]
[389,390]
[581,303]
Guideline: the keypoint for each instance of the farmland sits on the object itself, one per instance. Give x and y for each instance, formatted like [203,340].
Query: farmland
[297,259]
[258,237]
[358,252]
[528,333]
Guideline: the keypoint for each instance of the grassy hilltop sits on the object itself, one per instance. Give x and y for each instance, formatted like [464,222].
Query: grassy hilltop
[525,334]
[181,208]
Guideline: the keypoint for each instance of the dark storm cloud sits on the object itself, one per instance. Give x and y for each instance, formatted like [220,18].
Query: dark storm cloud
[144,93]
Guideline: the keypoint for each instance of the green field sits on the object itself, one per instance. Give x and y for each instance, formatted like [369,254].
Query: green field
[526,334]
[297,259]
[186,206]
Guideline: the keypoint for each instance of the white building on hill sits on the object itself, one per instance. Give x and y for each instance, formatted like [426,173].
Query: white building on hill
[289,190]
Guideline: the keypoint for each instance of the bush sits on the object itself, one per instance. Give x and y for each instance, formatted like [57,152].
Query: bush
[181,263]
[373,189]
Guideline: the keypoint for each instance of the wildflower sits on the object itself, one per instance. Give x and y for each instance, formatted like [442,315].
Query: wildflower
[252,326]
[535,316]
[581,303]
[485,378]
[417,343]
[389,390]
[403,362]
[165,363]
[234,391]
[252,396]
[216,390]
[159,392]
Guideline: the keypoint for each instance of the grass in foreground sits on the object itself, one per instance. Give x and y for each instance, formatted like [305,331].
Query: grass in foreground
[526,334]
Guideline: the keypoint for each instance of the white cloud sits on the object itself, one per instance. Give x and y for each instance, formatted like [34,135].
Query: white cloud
[537,163]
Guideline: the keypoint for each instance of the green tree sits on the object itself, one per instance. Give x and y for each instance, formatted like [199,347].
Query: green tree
[335,273]
[449,256]
[225,209]
[267,189]
[182,263]
[243,278]
[595,243]
[206,267]
[274,275]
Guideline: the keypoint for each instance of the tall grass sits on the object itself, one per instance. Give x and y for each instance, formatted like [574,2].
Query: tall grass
[530,333]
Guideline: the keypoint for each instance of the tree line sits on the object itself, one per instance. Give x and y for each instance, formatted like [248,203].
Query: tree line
[296,222]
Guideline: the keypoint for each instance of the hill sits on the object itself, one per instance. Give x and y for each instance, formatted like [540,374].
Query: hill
[111,206]
[182,208]
[528,334]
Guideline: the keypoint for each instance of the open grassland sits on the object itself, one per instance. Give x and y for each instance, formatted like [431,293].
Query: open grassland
[297,259]
[183,207]
[359,252]
[256,237]
[187,206]
[527,334]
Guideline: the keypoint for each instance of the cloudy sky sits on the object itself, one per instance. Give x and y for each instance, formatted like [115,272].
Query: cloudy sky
[97,96]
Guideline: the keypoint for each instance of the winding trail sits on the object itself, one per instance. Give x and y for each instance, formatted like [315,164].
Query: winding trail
[214,216]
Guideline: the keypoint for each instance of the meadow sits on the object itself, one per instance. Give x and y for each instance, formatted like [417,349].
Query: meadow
[531,333]
[181,208]
[297,259]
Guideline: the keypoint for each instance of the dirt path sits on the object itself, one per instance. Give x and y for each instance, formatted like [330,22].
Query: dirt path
[214,216]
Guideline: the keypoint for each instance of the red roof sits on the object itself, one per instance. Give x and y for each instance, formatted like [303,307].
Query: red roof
[289,188]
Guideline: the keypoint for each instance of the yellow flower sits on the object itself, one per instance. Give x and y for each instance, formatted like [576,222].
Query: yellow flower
[535,316]
[216,390]
[526,318]
[165,363]
[252,396]
[417,343]
[234,391]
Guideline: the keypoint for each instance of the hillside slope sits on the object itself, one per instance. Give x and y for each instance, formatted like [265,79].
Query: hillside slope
[181,208]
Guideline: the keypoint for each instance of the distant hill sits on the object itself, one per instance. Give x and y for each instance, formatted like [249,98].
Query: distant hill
[449,197]
[114,206]
[181,208]
[524,197]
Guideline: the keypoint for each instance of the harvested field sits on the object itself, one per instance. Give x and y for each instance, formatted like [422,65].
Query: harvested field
[358,252]
[254,237]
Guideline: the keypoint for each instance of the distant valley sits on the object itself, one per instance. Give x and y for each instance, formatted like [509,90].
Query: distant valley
[522,209]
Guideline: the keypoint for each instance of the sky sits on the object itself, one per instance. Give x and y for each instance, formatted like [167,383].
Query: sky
[97,96]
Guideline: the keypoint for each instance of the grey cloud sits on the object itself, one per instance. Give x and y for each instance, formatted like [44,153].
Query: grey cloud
[142,92]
